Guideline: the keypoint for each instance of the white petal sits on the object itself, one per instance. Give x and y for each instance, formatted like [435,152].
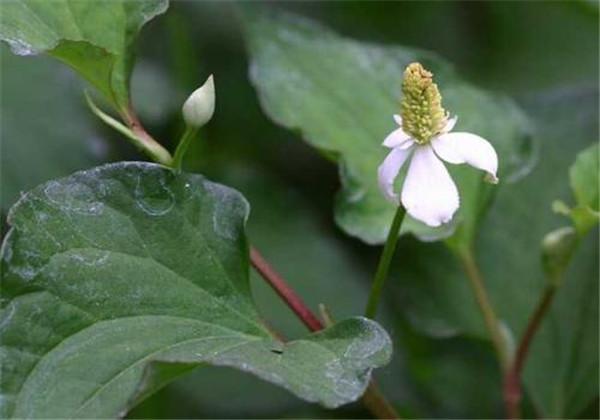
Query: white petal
[428,193]
[467,148]
[396,138]
[450,124]
[398,119]
[388,171]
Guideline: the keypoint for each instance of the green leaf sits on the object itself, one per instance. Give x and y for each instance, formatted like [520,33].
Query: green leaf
[314,263]
[341,94]
[112,269]
[37,144]
[584,176]
[561,372]
[95,38]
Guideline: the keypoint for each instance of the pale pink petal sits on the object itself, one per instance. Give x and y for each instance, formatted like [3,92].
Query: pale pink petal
[398,119]
[396,138]
[467,148]
[428,193]
[388,171]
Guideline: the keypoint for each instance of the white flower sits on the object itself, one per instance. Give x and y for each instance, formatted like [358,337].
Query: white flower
[428,192]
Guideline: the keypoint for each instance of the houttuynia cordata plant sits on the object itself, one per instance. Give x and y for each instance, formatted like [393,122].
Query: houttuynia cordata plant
[448,268]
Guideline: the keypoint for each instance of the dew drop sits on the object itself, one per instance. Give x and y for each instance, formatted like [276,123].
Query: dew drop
[153,196]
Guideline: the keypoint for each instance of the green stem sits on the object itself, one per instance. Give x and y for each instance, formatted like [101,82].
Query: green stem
[136,134]
[184,142]
[491,320]
[384,263]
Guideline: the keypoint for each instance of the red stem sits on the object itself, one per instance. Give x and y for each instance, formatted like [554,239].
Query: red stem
[284,291]
[512,378]
[136,126]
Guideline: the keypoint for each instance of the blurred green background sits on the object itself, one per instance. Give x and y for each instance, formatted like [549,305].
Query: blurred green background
[532,51]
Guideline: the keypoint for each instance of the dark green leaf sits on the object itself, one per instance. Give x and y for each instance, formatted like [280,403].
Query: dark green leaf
[95,38]
[109,270]
[341,95]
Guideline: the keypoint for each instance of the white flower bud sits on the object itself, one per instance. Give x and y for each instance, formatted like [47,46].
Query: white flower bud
[198,109]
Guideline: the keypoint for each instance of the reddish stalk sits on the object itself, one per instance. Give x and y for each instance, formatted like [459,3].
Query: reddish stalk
[286,293]
[373,399]
[512,379]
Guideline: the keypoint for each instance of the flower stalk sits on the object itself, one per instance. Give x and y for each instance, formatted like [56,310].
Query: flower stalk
[383,267]
[182,146]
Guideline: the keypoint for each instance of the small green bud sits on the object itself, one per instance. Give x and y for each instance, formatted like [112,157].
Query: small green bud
[557,248]
[423,116]
[198,109]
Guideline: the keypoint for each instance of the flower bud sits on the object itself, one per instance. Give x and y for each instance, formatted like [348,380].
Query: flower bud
[557,249]
[198,109]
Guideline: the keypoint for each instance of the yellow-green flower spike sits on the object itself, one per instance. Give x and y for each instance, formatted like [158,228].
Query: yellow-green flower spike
[421,109]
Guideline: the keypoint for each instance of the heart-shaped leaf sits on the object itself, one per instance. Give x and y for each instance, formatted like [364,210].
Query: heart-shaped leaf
[110,271]
[341,95]
[95,38]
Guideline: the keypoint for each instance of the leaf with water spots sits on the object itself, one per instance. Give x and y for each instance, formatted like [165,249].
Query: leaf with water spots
[95,38]
[117,279]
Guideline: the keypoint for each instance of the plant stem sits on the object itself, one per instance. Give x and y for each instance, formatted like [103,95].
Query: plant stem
[377,404]
[512,378]
[384,263]
[372,398]
[489,316]
[288,295]
[184,142]
[135,133]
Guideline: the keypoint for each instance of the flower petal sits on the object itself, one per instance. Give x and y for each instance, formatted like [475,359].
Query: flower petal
[467,148]
[450,124]
[398,119]
[428,193]
[388,171]
[396,138]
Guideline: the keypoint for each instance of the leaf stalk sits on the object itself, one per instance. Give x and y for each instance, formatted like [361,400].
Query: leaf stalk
[135,133]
